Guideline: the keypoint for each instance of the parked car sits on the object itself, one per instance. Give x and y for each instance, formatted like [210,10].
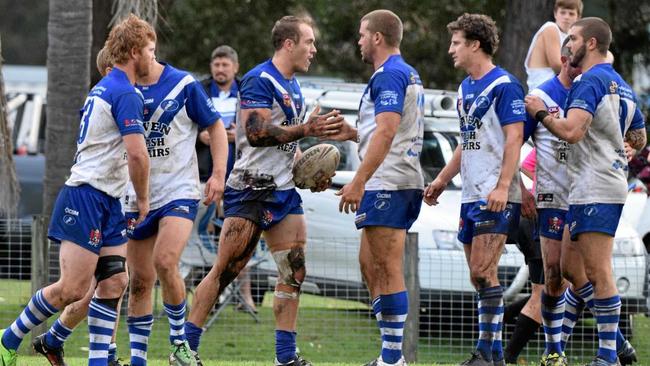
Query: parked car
[333,241]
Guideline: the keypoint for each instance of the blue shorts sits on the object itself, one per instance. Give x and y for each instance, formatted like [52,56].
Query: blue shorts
[594,217]
[551,223]
[87,217]
[149,227]
[475,220]
[263,207]
[396,209]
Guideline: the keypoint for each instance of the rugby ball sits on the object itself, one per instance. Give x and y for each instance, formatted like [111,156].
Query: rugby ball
[316,163]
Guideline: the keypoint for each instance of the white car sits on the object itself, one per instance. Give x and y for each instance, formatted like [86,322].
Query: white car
[333,241]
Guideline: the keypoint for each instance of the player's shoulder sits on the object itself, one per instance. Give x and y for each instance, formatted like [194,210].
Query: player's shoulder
[175,75]
[396,67]
[113,85]
[258,71]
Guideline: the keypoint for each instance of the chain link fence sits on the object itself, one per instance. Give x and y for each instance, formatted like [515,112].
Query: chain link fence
[335,321]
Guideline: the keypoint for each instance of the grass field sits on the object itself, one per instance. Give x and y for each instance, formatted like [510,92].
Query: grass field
[331,332]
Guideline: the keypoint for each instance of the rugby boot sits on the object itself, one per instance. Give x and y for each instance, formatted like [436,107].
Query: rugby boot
[297,361]
[627,354]
[54,355]
[8,356]
[181,354]
[476,359]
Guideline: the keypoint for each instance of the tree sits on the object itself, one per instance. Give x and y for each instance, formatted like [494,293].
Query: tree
[9,187]
[523,19]
[68,63]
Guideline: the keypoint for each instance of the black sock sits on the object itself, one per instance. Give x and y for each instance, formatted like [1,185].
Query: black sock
[524,331]
[513,309]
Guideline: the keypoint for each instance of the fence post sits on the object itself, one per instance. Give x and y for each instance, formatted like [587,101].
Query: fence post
[40,266]
[412,279]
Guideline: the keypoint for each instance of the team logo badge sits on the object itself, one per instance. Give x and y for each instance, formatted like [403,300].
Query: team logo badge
[267,217]
[590,211]
[69,220]
[286,99]
[555,111]
[482,102]
[130,225]
[95,237]
[554,224]
[613,87]
[169,105]
[382,204]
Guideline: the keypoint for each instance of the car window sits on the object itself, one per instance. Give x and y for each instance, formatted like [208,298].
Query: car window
[432,158]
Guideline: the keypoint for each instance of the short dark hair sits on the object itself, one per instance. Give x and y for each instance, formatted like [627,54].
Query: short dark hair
[387,23]
[225,51]
[288,27]
[478,27]
[564,50]
[598,29]
[569,4]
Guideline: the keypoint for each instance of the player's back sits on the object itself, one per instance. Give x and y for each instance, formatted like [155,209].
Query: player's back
[174,108]
[112,109]
[267,167]
[395,87]
[597,163]
[484,107]
[551,172]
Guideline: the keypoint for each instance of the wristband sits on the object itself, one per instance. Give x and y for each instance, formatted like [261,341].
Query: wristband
[540,115]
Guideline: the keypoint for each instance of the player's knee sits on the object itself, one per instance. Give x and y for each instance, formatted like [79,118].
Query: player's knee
[291,267]
[113,286]
[70,294]
[140,286]
[481,276]
[166,264]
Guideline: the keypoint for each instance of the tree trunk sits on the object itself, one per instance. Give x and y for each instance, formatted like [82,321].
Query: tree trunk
[523,19]
[9,188]
[68,61]
[102,14]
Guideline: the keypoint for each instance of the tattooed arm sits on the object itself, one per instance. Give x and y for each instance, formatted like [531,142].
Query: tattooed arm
[260,131]
[636,138]
[570,129]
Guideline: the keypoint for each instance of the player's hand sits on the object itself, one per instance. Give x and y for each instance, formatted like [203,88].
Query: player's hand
[213,190]
[323,184]
[351,195]
[230,133]
[528,204]
[497,200]
[323,125]
[629,152]
[534,104]
[433,191]
[143,209]
[346,132]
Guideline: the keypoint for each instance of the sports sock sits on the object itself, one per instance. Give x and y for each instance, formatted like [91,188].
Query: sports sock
[139,331]
[607,313]
[35,313]
[573,307]
[57,335]
[193,335]
[285,345]
[394,309]
[525,330]
[176,316]
[101,322]
[490,310]
[552,317]
[497,344]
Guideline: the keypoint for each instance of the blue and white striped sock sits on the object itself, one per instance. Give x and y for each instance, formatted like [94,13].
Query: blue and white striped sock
[139,331]
[490,310]
[394,309]
[607,313]
[573,306]
[58,333]
[497,343]
[376,311]
[176,316]
[101,322]
[36,312]
[553,317]
[587,295]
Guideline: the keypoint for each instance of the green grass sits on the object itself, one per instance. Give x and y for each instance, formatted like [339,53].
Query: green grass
[330,331]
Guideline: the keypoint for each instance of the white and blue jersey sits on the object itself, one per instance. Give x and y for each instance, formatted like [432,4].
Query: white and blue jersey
[174,108]
[552,188]
[267,167]
[226,104]
[484,107]
[597,163]
[112,109]
[394,87]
